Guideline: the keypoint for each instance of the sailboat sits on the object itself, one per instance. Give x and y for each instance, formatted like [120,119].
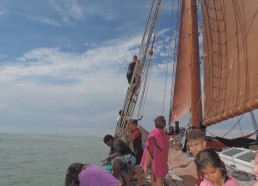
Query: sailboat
[227,68]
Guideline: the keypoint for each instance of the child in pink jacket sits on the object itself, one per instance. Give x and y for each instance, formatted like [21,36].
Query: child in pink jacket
[212,169]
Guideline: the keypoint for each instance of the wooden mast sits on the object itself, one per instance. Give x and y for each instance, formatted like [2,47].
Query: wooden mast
[195,82]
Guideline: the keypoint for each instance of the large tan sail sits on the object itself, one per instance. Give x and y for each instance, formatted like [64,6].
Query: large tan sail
[230,60]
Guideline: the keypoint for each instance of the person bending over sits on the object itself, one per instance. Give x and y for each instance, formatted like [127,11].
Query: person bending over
[123,158]
[79,174]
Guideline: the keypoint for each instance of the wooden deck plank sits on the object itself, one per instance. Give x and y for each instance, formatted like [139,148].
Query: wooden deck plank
[173,179]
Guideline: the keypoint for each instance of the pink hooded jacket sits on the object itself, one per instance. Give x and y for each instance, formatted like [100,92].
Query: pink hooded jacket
[158,145]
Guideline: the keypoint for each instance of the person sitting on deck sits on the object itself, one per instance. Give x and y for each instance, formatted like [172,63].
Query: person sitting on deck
[212,169]
[255,169]
[195,141]
[135,136]
[156,153]
[79,174]
[123,158]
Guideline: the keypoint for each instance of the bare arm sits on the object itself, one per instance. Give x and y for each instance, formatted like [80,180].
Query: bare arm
[147,162]
[111,152]
[110,157]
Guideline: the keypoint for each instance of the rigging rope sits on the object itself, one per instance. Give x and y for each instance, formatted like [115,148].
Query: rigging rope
[141,71]
[169,57]
[240,127]
[233,126]
[242,28]
[254,123]
[145,73]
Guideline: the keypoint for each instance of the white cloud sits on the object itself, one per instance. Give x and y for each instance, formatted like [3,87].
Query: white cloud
[78,93]
[49,21]
[68,10]
[50,86]
[73,11]
[53,63]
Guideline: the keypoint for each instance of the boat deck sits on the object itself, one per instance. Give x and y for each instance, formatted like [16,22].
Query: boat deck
[184,167]
[243,178]
[171,180]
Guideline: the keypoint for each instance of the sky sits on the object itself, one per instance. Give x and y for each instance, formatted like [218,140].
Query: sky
[63,65]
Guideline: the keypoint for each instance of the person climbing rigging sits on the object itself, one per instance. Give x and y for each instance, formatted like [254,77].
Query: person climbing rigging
[131,68]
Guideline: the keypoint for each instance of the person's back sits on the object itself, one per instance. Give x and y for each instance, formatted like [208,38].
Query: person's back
[156,152]
[79,174]
[93,175]
[121,147]
[159,147]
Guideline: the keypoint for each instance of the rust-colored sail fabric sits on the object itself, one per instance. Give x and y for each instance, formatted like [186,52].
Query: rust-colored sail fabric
[230,29]
[181,98]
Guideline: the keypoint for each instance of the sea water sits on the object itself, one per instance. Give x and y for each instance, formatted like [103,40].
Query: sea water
[38,160]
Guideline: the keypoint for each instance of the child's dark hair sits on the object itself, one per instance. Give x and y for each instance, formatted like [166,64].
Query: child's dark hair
[73,171]
[107,138]
[210,157]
